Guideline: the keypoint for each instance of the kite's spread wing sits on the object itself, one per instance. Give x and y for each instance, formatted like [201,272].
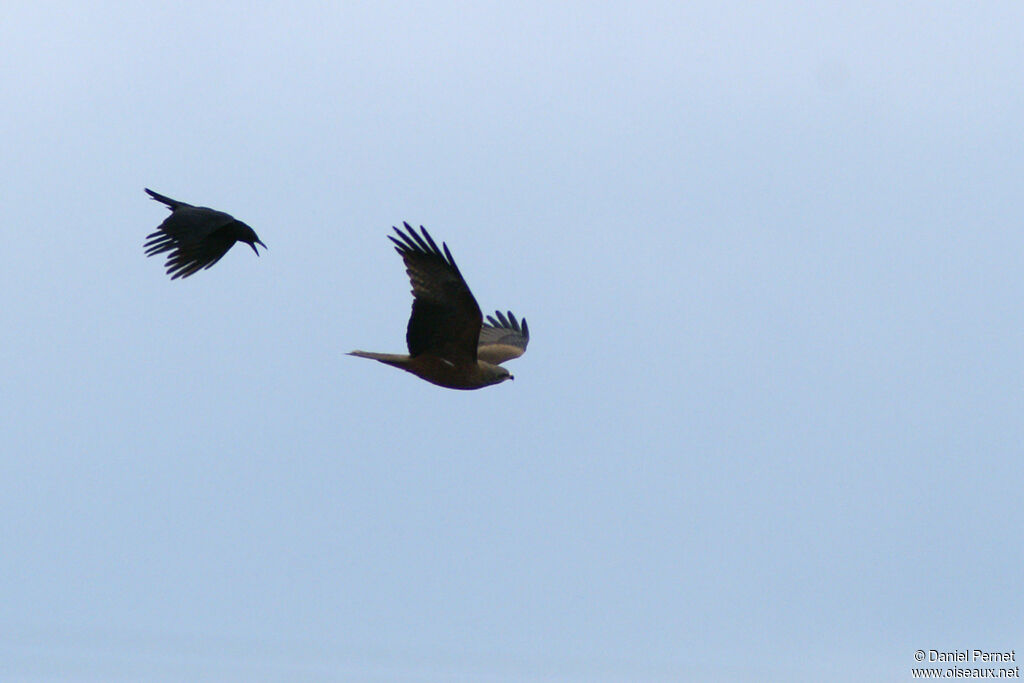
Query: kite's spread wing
[502,339]
[445,319]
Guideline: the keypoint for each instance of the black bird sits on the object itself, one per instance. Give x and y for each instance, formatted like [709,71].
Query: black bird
[196,236]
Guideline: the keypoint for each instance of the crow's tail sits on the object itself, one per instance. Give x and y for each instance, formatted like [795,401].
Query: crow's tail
[172,204]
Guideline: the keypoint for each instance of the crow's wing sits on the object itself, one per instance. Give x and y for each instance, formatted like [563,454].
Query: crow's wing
[196,236]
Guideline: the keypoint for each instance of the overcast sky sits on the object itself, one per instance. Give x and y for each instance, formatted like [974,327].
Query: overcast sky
[768,426]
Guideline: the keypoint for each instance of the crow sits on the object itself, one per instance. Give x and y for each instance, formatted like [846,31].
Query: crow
[196,236]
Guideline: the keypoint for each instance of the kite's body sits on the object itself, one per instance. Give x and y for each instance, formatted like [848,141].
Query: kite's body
[449,344]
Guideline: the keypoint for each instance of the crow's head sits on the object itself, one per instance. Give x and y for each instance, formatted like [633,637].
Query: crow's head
[243,233]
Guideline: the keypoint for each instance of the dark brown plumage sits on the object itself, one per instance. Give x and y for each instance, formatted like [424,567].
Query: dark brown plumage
[448,343]
[196,236]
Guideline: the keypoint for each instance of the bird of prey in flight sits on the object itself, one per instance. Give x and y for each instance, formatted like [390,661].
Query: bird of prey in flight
[196,236]
[449,344]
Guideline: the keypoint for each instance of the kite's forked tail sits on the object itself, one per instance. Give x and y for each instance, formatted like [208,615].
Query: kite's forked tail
[398,360]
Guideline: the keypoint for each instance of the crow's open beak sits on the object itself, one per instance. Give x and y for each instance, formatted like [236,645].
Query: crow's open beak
[253,245]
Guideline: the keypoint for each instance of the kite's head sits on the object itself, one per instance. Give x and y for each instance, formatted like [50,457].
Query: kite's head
[495,374]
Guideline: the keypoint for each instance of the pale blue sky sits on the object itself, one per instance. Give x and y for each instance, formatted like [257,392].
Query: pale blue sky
[768,427]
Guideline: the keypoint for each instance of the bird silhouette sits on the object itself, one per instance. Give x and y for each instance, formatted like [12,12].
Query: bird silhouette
[449,344]
[196,236]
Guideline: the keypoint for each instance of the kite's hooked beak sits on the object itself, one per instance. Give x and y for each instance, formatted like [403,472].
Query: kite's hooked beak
[512,378]
[253,245]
